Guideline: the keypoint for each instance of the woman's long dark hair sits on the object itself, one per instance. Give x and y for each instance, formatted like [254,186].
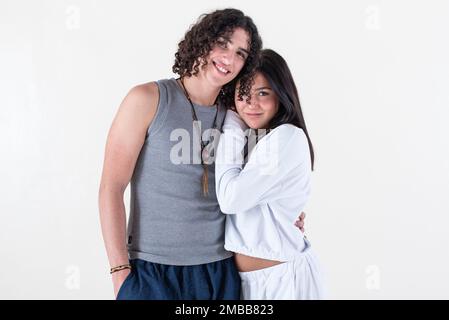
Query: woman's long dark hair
[275,69]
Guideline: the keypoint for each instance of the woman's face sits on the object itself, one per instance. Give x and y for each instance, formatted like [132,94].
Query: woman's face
[263,106]
[227,58]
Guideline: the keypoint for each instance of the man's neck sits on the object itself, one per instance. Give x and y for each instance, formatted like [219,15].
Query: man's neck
[200,91]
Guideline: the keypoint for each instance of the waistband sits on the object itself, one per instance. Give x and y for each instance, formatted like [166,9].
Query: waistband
[279,270]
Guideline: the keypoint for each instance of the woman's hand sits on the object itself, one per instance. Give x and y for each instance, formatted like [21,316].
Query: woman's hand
[300,222]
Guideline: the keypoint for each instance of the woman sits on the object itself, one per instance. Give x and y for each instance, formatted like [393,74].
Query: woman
[262,194]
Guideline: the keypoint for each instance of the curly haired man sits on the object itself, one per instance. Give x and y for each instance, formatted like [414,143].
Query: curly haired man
[174,245]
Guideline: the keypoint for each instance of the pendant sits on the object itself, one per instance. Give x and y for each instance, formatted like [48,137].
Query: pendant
[205,156]
[208,153]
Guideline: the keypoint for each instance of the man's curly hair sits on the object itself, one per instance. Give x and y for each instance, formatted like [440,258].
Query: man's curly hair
[201,38]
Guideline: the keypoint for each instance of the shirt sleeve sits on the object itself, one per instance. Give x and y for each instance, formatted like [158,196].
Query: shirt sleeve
[261,180]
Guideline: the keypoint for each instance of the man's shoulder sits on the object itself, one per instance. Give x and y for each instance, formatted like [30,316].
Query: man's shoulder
[145,91]
[142,101]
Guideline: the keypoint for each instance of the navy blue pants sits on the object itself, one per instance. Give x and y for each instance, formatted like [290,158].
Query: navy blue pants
[152,281]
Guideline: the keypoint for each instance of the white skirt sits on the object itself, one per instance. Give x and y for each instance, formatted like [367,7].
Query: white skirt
[300,279]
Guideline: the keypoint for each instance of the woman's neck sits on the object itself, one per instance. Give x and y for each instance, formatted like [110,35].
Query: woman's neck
[200,91]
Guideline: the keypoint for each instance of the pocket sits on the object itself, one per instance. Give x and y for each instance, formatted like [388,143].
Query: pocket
[124,284]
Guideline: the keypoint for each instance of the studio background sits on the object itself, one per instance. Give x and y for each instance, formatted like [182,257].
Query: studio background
[373,79]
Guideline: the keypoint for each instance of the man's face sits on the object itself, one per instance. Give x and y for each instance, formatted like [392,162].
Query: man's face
[227,58]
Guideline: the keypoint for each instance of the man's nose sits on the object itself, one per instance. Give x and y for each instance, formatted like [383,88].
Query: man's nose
[228,58]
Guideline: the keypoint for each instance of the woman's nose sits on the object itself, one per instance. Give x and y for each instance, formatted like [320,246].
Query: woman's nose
[253,104]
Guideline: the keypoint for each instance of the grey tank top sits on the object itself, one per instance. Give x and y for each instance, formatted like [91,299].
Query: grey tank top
[171,222]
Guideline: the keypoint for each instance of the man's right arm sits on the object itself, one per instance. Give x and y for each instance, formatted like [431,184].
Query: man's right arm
[125,139]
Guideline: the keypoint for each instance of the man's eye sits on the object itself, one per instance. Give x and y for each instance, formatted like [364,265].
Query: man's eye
[241,54]
[222,43]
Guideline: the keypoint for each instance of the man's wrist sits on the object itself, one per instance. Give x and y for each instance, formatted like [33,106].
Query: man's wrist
[120,268]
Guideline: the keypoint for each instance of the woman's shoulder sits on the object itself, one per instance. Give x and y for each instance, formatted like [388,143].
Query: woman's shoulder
[288,134]
[289,139]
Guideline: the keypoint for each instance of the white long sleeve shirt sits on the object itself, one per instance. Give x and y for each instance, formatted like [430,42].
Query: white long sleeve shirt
[264,197]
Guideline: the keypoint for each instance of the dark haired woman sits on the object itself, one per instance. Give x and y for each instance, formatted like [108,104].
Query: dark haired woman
[175,237]
[263,193]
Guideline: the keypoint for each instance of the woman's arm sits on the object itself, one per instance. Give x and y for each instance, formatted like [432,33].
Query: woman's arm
[262,178]
[125,139]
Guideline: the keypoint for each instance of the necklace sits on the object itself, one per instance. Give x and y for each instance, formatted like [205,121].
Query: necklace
[205,153]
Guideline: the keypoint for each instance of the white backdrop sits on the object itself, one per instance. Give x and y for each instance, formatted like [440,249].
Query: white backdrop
[374,82]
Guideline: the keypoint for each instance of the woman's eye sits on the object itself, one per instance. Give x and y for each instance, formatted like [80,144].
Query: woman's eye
[263,93]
